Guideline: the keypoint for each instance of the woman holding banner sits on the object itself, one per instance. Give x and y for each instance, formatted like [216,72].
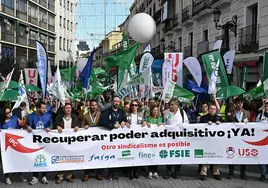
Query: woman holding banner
[134,118]
[11,122]
[154,118]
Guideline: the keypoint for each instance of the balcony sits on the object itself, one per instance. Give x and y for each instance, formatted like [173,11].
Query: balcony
[32,20]
[188,51]
[168,27]
[7,9]
[157,17]
[177,22]
[248,40]
[219,3]
[6,36]
[200,8]
[187,15]
[202,47]
[22,40]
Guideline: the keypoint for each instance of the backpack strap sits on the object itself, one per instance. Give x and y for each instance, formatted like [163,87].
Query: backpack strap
[182,114]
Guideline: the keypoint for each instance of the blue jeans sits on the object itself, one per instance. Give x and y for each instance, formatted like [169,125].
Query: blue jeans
[264,169]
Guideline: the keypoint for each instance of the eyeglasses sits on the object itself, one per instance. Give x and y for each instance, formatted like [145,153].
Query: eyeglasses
[134,105]
[8,112]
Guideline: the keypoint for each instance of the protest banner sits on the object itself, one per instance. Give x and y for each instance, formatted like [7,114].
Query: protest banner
[227,143]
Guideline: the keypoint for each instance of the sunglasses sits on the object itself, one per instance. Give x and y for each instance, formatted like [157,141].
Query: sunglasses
[134,105]
[8,112]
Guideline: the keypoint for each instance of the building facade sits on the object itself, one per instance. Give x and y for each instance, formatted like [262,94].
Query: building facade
[65,29]
[22,23]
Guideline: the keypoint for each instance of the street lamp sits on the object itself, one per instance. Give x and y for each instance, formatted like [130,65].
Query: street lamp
[228,26]
[170,47]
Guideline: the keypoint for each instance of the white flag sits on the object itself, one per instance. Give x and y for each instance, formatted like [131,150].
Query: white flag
[7,81]
[49,74]
[58,87]
[212,88]
[194,67]
[168,91]
[229,60]
[217,45]
[23,94]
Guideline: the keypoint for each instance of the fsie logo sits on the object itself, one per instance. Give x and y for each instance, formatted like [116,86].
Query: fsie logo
[40,161]
[248,152]
[230,151]
[101,157]
[174,153]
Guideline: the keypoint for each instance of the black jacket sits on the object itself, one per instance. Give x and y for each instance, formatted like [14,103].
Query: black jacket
[59,121]
[17,112]
[109,118]
[206,118]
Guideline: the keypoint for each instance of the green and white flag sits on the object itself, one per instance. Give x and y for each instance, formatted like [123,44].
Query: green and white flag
[244,77]
[168,91]
[213,63]
[141,78]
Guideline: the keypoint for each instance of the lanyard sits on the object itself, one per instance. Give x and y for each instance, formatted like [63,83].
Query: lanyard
[93,119]
[116,116]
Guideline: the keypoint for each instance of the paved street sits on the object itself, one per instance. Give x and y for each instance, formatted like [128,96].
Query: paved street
[188,179]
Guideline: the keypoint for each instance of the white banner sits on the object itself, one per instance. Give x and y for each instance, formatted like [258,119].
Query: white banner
[94,148]
[177,67]
[217,45]
[229,60]
[194,67]
[167,71]
[31,76]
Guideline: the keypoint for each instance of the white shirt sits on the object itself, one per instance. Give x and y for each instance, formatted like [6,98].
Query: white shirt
[67,123]
[261,118]
[134,119]
[171,119]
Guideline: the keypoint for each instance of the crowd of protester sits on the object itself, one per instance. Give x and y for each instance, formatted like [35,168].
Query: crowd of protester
[112,113]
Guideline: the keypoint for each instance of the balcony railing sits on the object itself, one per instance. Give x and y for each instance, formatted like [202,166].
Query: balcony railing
[168,25]
[21,40]
[200,5]
[7,10]
[22,15]
[186,13]
[51,48]
[188,51]
[33,20]
[32,43]
[177,20]
[7,37]
[202,47]
[248,39]
[157,16]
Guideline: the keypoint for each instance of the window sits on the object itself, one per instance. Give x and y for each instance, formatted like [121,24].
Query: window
[150,12]
[60,43]
[32,35]
[68,24]
[43,16]
[8,3]
[205,35]
[51,5]
[190,39]
[64,47]
[60,20]
[51,41]
[21,6]
[68,4]
[64,1]
[71,43]
[60,2]
[71,7]
[153,8]
[22,31]
[67,45]
[43,39]
[32,11]
[51,20]
[71,26]
[180,44]
[64,20]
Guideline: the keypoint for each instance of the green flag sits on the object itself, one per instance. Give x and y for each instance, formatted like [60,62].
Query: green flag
[265,66]
[258,92]
[68,74]
[213,63]
[244,77]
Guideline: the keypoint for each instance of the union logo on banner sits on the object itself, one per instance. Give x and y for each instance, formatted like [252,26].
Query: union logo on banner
[177,67]
[31,76]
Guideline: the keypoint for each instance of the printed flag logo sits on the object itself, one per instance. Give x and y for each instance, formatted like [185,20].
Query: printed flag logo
[163,154]
[198,153]
[12,141]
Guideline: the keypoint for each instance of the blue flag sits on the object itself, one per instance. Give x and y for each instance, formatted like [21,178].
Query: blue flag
[191,86]
[85,74]
[42,65]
